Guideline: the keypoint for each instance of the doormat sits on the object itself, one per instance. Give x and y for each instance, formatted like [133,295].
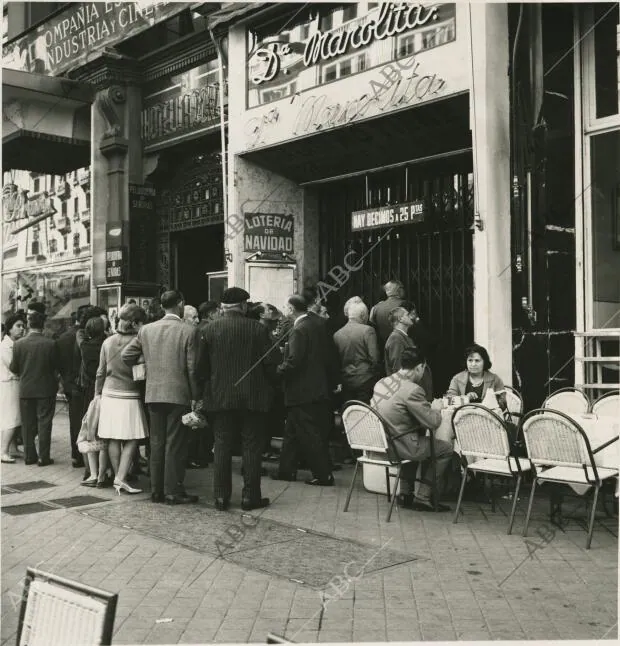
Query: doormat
[20,487]
[50,505]
[254,542]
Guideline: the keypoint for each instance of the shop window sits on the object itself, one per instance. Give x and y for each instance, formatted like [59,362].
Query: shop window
[53,245]
[327,22]
[605,196]
[63,208]
[88,200]
[606,20]
[36,185]
[428,40]
[406,46]
[340,69]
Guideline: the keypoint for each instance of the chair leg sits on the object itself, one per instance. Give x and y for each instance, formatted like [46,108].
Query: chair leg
[394,496]
[346,504]
[458,504]
[592,515]
[529,507]
[514,505]
[387,482]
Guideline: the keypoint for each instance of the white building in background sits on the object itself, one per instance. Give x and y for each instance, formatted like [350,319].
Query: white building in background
[46,242]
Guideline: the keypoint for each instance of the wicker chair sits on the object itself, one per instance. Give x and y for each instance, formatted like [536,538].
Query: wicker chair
[607,405]
[515,404]
[568,400]
[481,434]
[561,453]
[55,610]
[366,431]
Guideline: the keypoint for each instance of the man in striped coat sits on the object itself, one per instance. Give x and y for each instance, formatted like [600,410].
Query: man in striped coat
[238,368]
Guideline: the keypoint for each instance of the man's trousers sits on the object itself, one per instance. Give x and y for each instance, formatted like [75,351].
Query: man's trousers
[226,425]
[168,448]
[305,431]
[37,416]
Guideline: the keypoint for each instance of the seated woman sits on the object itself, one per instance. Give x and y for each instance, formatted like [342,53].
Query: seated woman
[478,379]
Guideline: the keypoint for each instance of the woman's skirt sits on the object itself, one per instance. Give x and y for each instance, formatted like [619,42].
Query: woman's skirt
[9,405]
[121,416]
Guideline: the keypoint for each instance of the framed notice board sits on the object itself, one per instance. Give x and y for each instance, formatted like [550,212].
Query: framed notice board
[271,282]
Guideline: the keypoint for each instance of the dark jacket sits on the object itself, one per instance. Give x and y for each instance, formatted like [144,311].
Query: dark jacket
[66,355]
[305,368]
[394,347]
[35,360]
[379,318]
[238,364]
[357,347]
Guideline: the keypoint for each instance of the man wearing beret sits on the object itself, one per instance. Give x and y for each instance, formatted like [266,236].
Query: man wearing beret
[238,368]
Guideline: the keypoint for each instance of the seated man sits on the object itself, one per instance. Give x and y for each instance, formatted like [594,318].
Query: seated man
[401,401]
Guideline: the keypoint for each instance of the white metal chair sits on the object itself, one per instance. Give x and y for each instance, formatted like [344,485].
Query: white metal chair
[515,404]
[366,431]
[569,401]
[56,612]
[481,434]
[560,451]
[607,405]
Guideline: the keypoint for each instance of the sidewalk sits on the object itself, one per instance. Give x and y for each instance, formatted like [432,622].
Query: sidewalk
[221,577]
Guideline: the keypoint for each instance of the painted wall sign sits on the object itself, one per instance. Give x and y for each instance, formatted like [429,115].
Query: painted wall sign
[388,216]
[334,44]
[77,34]
[142,233]
[182,104]
[269,233]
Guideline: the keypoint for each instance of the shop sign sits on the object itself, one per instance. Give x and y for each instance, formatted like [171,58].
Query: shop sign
[282,63]
[142,233]
[269,233]
[183,111]
[388,216]
[79,33]
[20,212]
[115,255]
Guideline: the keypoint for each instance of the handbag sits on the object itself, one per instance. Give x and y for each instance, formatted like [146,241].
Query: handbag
[139,370]
[87,440]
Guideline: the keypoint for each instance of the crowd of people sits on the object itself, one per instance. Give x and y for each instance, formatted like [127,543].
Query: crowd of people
[248,370]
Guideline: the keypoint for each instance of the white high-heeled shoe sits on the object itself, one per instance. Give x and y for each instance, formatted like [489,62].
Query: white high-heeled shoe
[119,486]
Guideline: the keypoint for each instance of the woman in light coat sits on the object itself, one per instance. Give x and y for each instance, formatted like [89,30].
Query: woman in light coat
[10,419]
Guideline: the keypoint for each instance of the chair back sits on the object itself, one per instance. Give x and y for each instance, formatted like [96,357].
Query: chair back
[364,427]
[569,401]
[514,402]
[480,432]
[552,438]
[607,405]
[55,610]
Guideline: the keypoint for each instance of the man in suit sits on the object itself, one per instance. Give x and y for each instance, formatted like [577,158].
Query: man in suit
[357,347]
[239,366]
[170,349]
[396,344]
[306,396]
[401,401]
[35,360]
[380,313]
[68,373]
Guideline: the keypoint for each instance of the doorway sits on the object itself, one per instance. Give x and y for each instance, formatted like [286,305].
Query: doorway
[194,253]
[433,258]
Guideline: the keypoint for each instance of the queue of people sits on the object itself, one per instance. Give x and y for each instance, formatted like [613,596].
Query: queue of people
[251,371]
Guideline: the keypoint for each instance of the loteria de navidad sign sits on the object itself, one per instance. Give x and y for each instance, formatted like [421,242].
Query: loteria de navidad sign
[311,78]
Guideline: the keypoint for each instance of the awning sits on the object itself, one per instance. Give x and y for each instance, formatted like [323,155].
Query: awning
[235,11]
[45,123]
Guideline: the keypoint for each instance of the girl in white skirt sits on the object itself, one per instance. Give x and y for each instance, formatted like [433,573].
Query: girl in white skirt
[9,386]
[122,422]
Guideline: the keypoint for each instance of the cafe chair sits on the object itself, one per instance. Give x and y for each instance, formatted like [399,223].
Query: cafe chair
[57,611]
[515,404]
[560,452]
[481,434]
[608,405]
[569,401]
[366,431]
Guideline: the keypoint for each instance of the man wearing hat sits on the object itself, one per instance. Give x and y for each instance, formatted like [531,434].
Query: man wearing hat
[238,370]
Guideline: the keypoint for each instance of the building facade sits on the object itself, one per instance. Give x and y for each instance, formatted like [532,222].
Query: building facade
[469,150]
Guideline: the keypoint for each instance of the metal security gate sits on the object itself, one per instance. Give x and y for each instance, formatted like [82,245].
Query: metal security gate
[433,258]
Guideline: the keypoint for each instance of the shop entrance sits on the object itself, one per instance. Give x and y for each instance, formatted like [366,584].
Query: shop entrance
[433,258]
[194,253]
